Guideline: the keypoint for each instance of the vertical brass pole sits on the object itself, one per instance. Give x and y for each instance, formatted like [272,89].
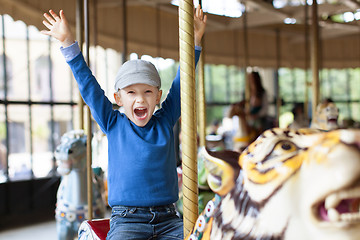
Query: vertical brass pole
[315,58]
[201,99]
[80,39]
[201,96]
[246,58]
[277,86]
[88,118]
[124,55]
[188,125]
[306,101]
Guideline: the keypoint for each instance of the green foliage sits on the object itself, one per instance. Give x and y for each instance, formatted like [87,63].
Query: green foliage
[225,85]
[167,76]
[2,131]
[341,85]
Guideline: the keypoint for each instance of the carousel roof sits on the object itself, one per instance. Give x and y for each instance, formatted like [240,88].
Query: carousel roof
[276,30]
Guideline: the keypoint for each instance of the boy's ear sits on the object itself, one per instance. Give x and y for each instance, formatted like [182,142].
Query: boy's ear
[159,97]
[117,98]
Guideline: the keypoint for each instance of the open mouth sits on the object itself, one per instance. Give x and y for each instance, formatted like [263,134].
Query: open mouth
[332,120]
[140,113]
[340,207]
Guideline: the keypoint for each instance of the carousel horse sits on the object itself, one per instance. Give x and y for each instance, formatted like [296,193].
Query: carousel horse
[286,185]
[243,134]
[72,204]
[326,116]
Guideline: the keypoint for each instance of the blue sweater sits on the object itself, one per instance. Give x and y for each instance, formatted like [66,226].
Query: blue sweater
[142,163]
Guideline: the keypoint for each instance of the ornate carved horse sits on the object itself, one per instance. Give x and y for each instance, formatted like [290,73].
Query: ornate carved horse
[72,204]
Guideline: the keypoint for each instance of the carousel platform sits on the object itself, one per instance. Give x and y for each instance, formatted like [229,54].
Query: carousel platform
[38,231]
[43,230]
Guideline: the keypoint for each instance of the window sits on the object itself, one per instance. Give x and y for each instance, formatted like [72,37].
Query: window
[5,62]
[33,117]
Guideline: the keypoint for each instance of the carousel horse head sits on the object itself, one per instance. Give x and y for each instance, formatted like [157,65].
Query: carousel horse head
[243,132]
[236,109]
[71,152]
[290,185]
[326,116]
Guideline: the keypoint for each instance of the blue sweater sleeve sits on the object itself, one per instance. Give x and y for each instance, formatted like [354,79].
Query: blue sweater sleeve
[71,51]
[91,92]
[171,106]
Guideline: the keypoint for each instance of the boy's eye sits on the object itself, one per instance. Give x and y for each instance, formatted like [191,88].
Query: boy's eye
[148,91]
[130,92]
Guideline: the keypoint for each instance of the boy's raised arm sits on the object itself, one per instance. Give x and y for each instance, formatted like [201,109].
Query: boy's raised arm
[199,25]
[58,28]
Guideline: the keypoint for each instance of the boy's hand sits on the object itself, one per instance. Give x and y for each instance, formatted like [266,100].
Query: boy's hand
[199,25]
[58,28]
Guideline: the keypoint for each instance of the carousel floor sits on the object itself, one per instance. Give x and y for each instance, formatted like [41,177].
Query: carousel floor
[37,231]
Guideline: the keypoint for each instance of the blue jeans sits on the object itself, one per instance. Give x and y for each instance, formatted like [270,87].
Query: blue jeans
[145,223]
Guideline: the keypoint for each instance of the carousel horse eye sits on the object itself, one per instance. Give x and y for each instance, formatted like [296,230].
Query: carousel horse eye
[70,151]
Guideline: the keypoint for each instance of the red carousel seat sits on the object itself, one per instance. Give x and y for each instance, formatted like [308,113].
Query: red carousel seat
[96,229]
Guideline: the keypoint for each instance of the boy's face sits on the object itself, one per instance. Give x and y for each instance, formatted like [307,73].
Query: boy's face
[139,102]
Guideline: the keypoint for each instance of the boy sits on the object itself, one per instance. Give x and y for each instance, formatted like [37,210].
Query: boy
[142,176]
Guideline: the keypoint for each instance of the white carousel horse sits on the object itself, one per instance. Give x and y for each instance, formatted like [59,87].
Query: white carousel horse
[326,116]
[72,203]
[243,132]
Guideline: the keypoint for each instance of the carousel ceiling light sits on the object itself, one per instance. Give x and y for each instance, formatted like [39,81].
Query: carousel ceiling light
[227,8]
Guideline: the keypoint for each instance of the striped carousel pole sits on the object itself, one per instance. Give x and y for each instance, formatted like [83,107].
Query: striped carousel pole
[188,114]
[82,26]
[89,172]
[201,101]
[80,39]
[201,97]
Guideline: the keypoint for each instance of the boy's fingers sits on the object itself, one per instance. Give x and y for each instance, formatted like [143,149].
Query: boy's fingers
[50,19]
[62,15]
[57,18]
[53,14]
[45,32]
[47,24]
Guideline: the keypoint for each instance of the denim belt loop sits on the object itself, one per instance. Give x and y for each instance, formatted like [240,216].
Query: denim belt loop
[167,208]
[132,210]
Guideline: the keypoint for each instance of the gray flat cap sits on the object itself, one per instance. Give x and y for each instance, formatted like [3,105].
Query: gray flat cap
[137,71]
